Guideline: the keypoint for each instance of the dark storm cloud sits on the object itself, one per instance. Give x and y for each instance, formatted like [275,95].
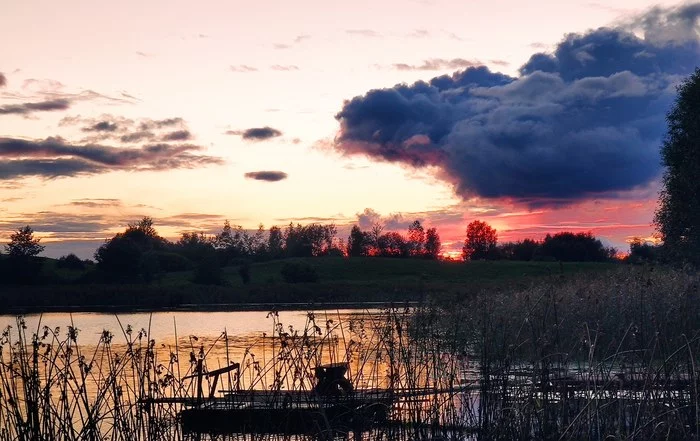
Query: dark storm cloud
[53,157]
[256,133]
[46,168]
[583,121]
[266,175]
[41,106]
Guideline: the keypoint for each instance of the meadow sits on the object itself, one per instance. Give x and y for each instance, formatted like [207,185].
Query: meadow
[355,280]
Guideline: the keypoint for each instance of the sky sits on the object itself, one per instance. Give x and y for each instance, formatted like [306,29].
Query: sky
[535,118]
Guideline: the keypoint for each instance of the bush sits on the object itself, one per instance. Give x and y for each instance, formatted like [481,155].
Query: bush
[299,272]
[70,262]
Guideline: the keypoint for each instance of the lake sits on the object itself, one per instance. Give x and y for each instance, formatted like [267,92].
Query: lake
[162,325]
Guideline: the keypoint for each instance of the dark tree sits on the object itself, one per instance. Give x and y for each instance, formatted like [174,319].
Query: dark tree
[232,243]
[308,240]
[71,262]
[643,252]
[480,242]
[275,243]
[374,235]
[23,244]
[525,249]
[359,242]
[120,257]
[416,239]
[432,244]
[392,244]
[22,266]
[194,245]
[678,216]
[575,247]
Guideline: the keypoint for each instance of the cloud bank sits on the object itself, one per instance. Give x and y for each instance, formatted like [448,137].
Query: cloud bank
[40,106]
[584,121]
[54,157]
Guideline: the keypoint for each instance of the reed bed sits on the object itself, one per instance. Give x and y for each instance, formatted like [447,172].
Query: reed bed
[126,386]
[609,358]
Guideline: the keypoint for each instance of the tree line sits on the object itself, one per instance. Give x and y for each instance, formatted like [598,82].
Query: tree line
[140,254]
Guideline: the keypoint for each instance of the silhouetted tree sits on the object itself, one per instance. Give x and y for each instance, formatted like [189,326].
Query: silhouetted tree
[359,242]
[374,234]
[233,243]
[575,247]
[480,242]
[71,262]
[275,243]
[23,244]
[22,265]
[308,240]
[144,235]
[194,245]
[258,243]
[393,244]
[678,216]
[525,249]
[432,244]
[641,252]
[416,239]
[120,257]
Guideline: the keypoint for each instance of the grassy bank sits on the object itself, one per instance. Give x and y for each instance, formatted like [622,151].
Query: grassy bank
[339,280]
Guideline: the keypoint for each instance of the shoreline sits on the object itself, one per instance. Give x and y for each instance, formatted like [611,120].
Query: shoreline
[213,307]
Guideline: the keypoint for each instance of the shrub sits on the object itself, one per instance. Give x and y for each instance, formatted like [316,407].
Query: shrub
[70,262]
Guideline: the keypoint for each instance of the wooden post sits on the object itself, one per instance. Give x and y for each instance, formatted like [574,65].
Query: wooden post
[199,382]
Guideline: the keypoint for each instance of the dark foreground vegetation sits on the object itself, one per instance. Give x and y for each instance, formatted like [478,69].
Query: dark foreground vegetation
[611,358]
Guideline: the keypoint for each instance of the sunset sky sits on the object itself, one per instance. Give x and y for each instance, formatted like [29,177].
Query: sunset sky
[534,117]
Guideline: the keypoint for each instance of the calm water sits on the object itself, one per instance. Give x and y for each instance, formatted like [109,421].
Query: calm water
[162,325]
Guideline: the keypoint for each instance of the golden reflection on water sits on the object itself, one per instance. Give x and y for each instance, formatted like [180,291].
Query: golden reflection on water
[274,350]
[107,365]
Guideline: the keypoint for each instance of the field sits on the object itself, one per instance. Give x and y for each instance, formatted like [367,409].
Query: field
[339,280]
